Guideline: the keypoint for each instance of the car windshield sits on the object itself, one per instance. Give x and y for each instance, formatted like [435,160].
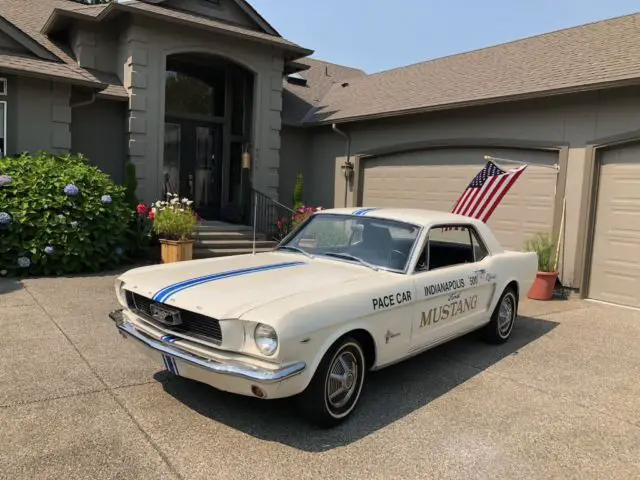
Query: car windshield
[371,242]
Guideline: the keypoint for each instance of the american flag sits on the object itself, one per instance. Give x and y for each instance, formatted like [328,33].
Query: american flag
[486,191]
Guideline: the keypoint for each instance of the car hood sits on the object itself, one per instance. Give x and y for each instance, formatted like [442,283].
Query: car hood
[228,287]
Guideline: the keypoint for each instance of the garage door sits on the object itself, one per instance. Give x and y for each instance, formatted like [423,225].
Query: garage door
[434,179]
[615,264]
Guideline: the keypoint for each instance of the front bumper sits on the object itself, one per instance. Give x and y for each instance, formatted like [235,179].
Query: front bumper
[231,376]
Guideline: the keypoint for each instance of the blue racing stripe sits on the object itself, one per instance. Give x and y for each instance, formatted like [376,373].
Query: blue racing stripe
[363,211]
[164,294]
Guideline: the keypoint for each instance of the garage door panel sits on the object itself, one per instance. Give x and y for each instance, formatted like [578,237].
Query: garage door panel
[434,179]
[615,263]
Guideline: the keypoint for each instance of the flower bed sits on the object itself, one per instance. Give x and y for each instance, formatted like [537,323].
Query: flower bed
[289,223]
[59,215]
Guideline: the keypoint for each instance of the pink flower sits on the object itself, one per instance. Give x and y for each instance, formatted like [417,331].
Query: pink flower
[142,209]
[152,216]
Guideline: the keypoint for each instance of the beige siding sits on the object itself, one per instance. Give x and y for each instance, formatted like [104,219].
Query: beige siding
[434,179]
[615,267]
[293,161]
[575,121]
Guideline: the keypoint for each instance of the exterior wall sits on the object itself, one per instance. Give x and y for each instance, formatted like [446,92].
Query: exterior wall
[98,132]
[573,121]
[227,10]
[39,116]
[9,44]
[96,47]
[143,50]
[295,148]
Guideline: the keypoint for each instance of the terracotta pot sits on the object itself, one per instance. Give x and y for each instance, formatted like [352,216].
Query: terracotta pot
[176,250]
[543,286]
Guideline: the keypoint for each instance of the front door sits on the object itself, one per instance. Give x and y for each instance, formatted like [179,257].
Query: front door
[193,164]
[453,285]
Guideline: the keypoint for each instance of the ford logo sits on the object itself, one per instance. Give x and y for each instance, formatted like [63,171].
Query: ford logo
[167,316]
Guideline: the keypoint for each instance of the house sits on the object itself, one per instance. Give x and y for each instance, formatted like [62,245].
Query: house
[205,97]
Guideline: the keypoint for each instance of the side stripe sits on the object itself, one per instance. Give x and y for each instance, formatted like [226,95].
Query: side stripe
[164,294]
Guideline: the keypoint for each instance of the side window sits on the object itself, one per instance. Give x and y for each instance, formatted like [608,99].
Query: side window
[447,246]
[478,247]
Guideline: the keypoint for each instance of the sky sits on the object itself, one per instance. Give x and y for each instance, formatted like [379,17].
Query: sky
[377,35]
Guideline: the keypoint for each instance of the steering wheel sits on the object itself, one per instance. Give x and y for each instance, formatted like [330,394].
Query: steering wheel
[403,256]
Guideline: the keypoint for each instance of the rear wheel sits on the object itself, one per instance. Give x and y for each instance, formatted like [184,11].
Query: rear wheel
[335,388]
[499,329]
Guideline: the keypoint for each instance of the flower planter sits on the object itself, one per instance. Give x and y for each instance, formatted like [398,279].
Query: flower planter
[543,286]
[176,250]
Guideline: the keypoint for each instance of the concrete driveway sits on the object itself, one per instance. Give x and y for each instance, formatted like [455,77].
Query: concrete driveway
[560,400]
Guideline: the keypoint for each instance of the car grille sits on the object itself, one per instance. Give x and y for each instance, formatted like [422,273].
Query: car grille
[193,324]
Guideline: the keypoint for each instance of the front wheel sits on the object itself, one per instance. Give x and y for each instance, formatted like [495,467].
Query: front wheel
[499,329]
[335,388]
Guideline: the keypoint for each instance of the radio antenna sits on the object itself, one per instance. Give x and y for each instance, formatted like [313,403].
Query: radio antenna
[255,217]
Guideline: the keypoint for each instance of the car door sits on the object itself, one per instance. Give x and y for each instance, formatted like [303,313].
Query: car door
[453,285]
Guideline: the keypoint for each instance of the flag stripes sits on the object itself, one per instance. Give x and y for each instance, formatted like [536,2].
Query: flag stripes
[486,191]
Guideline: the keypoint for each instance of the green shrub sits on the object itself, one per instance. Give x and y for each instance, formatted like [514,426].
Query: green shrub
[297,192]
[544,246]
[59,215]
[130,185]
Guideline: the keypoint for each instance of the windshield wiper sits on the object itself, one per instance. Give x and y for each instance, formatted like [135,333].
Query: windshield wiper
[295,249]
[346,256]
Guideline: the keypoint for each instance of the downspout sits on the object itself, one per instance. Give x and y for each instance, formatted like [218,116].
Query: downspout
[85,102]
[347,166]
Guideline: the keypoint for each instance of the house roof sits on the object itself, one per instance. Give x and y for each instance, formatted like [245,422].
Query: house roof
[591,56]
[300,95]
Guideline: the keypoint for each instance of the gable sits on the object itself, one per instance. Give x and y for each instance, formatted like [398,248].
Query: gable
[224,10]
[9,45]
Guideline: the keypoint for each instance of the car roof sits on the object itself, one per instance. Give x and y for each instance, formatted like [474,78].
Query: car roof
[416,216]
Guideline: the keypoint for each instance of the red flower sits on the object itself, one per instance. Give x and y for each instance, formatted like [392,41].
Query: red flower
[142,209]
[279,223]
[152,216]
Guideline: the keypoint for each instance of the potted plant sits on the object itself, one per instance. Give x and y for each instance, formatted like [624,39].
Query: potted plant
[174,221]
[544,284]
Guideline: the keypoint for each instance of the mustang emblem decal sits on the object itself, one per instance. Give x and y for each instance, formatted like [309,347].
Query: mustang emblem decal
[167,316]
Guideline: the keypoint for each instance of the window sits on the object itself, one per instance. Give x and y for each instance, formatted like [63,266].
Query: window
[451,245]
[3,87]
[3,128]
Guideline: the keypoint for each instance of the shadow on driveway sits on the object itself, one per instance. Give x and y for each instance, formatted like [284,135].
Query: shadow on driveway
[8,285]
[389,394]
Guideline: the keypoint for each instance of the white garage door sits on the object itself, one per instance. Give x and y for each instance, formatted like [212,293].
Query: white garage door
[615,264]
[434,179]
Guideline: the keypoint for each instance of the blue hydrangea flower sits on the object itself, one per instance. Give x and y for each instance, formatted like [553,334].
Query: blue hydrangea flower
[71,190]
[49,250]
[5,180]
[24,262]
[3,272]
[5,219]
[105,199]
[73,224]
[120,251]
[61,217]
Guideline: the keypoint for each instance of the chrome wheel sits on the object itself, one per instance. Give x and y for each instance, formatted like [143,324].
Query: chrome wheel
[344,380]
[506,315]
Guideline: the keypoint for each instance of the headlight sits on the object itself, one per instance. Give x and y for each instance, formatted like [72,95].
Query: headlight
[120,293]
[266,339]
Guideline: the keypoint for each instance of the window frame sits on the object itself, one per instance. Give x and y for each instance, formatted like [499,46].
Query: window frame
[471,228]
[5,85]
[3,152]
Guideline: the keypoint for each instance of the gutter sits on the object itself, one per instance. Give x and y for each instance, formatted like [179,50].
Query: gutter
[347,166]
[85,102]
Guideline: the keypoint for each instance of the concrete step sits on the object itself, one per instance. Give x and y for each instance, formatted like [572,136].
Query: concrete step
[223,227]
[232,244]
[217,252]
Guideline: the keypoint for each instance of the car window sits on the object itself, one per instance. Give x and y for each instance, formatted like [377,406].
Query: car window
[447,246]
[380,242]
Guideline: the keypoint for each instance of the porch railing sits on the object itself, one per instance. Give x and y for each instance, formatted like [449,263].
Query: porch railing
[270,216]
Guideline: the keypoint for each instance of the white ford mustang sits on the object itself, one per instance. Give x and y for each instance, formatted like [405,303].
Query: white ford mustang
[351,290]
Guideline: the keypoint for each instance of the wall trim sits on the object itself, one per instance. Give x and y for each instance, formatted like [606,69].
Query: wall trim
[588,203]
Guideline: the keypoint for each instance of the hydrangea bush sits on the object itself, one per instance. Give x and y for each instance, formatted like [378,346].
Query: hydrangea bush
[59,215]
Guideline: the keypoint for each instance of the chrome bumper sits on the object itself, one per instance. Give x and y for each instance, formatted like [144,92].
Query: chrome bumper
[235,369]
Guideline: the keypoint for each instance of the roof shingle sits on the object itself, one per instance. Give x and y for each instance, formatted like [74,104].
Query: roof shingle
[577,58]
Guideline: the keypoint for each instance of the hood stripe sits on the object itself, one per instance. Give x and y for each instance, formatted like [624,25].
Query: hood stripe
[164,294]
[363,211]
